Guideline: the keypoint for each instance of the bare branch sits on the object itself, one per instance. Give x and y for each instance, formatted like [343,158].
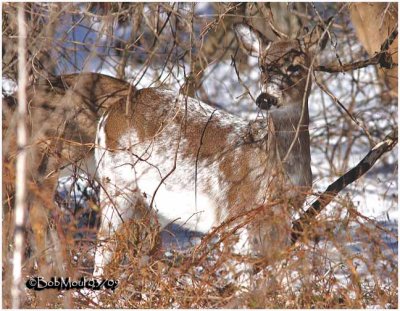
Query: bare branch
[350,66]
[383,58]
[355,173]
[377,59]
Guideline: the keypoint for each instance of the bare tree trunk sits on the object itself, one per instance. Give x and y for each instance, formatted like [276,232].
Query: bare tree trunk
[20,202]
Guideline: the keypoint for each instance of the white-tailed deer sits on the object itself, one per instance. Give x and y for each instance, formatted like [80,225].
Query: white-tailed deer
[197,166]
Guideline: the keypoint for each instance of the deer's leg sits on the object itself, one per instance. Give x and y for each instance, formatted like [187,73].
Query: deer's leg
[117,208]
[42,211]
[45,159]
[39,223]
[271,234]
[42,203]
[243,270]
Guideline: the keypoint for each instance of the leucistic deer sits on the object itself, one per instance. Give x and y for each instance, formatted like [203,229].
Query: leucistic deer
[197,166]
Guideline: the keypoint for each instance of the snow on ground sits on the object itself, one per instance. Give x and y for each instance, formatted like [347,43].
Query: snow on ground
[9,86]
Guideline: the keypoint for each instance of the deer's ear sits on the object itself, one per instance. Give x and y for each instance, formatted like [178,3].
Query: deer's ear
[316,39]
[250,39]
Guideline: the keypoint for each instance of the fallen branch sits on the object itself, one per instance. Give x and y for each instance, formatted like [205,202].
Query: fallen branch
[331,192]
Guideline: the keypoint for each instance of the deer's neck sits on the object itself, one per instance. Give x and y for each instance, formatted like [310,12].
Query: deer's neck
[285,117]
[293,141]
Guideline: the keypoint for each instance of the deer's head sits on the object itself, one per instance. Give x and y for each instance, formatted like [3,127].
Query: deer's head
[284,66]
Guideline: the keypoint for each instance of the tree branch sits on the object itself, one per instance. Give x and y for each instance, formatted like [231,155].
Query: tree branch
[351,66]
[331,192]
[383,58]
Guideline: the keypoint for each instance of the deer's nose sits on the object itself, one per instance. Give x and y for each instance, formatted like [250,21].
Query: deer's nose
[265,101]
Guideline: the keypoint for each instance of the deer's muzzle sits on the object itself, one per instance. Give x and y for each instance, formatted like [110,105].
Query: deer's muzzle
[265,101]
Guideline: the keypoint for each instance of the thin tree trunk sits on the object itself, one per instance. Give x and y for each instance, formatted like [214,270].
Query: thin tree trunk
[20,201]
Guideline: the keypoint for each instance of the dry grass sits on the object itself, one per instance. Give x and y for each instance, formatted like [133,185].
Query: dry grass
[331,273]
[351,262]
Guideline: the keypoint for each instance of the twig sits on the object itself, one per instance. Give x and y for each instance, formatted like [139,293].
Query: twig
[20,181]
[331,192]
[240,80]
[337,101]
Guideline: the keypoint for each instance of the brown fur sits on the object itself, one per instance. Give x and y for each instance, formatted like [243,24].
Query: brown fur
[63,115]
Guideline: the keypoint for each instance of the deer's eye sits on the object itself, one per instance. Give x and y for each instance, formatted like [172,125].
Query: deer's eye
[293,68]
